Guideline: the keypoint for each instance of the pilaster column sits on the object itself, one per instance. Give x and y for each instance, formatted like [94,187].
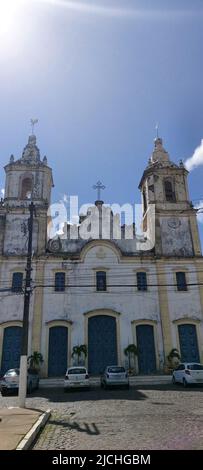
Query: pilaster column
[164,309]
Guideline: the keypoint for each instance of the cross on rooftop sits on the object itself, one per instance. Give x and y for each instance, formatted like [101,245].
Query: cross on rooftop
[99,186]
[33,122]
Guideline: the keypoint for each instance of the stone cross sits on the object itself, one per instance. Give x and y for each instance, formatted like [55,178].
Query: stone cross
[33,122]
[99,186]
[157,130]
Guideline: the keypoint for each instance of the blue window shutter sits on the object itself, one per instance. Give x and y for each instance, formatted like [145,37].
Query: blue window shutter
[59,282]
[17,282]
[181,281]
[101,280]
[142,281]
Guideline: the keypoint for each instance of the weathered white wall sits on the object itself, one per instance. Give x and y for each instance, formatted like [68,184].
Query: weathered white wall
[76,301]
[176,236]
[15,242]
[11,304]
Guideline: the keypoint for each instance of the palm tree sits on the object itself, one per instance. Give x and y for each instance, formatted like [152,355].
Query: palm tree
[78,351]
[35,360]
[130,351]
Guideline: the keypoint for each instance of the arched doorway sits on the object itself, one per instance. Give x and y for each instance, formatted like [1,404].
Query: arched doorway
[188,343]
[11,348]
[102,343]
[58,348]
[146,349]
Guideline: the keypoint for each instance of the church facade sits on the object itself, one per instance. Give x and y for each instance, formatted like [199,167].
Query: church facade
[102,293]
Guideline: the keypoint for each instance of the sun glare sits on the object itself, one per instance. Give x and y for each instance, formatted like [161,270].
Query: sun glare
[7,14]
[8,10]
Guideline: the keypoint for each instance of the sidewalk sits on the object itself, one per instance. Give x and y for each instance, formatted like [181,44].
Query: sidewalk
[19,427]
[95,381]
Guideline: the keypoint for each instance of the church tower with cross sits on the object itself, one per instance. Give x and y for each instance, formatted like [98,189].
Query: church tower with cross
[164,184]
[27,178]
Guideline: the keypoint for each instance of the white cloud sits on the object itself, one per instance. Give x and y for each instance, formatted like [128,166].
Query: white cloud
[196,159]
[2,192]
[200,212]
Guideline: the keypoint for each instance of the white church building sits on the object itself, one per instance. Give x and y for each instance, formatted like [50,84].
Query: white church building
[102,293]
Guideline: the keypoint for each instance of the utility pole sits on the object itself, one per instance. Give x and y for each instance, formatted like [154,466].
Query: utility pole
[27,293]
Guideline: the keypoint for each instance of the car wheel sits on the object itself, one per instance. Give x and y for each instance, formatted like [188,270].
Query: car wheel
[184,383]
[173,380]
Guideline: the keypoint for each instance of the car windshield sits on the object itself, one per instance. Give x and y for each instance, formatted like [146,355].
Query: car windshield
[195,367]
[76,371]
[116,370]
[12,372]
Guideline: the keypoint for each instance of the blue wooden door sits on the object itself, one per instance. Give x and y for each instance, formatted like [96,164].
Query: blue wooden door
[58,348]
[146,349]
[11,348]
[102,343]
[188,343]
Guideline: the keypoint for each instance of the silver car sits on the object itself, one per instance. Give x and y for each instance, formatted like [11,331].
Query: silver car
[10,381]
[114,376]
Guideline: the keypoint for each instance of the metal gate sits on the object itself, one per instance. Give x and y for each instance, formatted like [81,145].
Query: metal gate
[58,348]
[146,349]
[11,348]
[102,343]
[188,343]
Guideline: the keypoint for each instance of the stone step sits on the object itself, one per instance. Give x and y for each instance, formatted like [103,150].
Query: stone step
[54,382]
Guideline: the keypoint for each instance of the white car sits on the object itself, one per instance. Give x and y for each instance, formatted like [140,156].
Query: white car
[188,373]
[10,381]
[114,376]
[76,377]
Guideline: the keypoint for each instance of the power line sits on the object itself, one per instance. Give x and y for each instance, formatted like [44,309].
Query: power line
[113,274]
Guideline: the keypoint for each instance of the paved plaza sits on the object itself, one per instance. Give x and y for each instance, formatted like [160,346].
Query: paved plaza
[149,417]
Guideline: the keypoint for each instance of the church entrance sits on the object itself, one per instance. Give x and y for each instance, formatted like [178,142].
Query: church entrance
[58,349]
[146,349]
[11,348]
[102,343]
[188,343]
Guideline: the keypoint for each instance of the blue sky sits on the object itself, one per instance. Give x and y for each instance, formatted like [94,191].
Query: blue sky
[98,75]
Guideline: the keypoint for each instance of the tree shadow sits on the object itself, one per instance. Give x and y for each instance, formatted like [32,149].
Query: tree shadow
[90,429]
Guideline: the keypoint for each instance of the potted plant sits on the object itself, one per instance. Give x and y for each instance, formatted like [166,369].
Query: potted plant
[35,361]
[79,351]
[131,351]
[173,358]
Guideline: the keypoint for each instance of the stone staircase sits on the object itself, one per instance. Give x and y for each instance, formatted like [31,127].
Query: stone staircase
[138,380]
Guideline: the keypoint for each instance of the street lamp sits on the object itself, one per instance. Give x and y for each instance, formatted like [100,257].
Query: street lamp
[24,349]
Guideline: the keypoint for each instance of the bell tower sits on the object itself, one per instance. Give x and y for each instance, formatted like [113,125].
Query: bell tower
[27,178]
[164,184]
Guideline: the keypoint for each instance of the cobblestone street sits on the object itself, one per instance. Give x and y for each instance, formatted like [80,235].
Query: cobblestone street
[158,417]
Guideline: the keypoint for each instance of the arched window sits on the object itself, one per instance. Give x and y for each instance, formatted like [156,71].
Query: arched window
[144,200]
[169,193]
[26,188]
